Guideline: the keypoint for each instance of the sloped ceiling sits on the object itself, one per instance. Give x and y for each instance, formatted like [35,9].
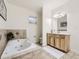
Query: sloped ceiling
[36,5]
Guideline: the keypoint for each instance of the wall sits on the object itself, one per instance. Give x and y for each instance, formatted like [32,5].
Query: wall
[17,18]
[2,22]
[72,10]
[2,41]
[40,24]
[18,34]
[17,14]
[73,26]
[48,7]
[72,17]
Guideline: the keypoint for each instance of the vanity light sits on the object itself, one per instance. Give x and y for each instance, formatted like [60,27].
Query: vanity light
[63,14]
[59,15]
[56,16]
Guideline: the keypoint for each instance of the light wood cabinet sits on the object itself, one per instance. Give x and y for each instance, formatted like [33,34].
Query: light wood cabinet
[50,40]
[59,41]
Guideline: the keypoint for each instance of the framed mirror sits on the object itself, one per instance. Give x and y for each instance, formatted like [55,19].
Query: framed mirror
[60,22]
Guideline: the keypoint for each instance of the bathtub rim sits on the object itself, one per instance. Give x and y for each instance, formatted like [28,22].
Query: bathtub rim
[32,47]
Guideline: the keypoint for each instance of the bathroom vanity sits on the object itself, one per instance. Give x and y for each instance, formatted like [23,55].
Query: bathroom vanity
[59,41]
[59,36]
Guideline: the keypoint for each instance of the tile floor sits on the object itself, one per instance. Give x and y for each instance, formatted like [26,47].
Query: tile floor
[71,55]
[39,54]
[42,54]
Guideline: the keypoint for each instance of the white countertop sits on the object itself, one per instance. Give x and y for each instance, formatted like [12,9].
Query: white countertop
[62,33]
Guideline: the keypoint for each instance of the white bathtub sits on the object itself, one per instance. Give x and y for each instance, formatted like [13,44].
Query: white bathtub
[18,47]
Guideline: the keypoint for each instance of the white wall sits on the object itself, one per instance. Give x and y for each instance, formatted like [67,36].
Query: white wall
[40,24]
[48,8]
[17,18]
[72,10]
[3,40]
[73,27]
[73,20]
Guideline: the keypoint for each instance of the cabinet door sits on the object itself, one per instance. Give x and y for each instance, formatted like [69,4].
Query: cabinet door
[67,44]
[52,41]
[62,38]
[48,39]
[62,44]
[57,41]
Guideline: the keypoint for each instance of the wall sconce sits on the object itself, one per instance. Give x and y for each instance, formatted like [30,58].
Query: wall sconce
[3,10]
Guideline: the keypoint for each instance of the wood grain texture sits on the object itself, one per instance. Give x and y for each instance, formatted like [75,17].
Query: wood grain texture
[59,41]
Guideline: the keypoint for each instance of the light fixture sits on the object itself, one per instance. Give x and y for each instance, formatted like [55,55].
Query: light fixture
[59,15]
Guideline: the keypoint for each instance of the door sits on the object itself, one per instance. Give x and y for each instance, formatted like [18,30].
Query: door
[32,32]
[32,29]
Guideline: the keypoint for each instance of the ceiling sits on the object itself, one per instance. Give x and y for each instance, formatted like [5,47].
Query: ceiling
[34,5]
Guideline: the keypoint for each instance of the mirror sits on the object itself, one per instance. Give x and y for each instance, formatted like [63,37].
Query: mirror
[60,22]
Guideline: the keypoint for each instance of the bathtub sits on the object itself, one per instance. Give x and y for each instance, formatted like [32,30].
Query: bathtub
[18,47]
